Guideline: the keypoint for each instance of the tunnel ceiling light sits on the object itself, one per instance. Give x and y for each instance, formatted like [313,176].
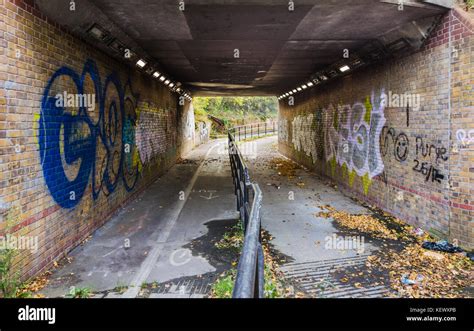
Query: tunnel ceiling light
[322,77]
[294,90]
[141,63]
[356,63]
[167,82]
[309,84]
[162,78]
[344,68]
[298,88]
[117,46]
[171,84]
[291,92]
[304,86]
[156,74]
[98,32]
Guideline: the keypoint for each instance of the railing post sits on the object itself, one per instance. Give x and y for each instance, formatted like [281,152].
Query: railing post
[250,271]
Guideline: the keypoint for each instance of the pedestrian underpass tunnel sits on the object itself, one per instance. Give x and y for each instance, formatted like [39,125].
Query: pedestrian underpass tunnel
[96,103]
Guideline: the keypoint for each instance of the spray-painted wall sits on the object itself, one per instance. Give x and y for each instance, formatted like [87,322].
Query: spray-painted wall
[194,132]
[80,135]
[398,134]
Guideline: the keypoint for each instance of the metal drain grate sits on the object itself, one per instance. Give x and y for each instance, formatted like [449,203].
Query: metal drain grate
[196,287]
[317,278]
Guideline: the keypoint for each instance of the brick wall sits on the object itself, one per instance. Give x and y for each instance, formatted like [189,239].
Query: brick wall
[64,168]
[415,162]
[194,131]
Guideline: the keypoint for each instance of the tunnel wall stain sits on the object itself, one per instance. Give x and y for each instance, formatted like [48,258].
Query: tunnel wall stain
[66,168]
[412,160]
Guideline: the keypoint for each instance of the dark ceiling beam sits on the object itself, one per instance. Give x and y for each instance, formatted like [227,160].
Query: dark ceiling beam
[279,49]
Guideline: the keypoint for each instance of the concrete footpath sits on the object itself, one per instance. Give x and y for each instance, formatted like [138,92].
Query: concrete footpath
[161,244]
[289,214]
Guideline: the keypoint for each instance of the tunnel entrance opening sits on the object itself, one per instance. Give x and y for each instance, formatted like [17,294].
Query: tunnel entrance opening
[345,112]
[228,112]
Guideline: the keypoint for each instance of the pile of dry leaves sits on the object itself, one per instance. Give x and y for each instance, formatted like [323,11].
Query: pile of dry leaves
[363,223]
[419,273]
[284,167]
[414,272]
[30,289]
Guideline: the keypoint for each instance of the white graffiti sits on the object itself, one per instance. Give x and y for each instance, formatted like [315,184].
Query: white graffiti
[189,125]
[464,137]
[304,135]
[150,128]
[283,129]
[203,132]
[352,139]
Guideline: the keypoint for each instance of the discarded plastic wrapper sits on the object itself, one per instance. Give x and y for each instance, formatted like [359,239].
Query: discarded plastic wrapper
[418,232]
[407,281]
[442,246]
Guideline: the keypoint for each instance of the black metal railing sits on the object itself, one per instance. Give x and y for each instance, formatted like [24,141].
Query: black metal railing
[254,130]
[250,270]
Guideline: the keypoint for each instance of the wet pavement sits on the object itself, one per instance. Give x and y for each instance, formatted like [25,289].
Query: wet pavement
[153,247]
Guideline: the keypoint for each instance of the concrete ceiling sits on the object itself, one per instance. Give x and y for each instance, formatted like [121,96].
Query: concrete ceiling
[278,48]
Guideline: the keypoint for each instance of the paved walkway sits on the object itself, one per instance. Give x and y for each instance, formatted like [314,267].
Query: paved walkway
[301,236]
[171,249]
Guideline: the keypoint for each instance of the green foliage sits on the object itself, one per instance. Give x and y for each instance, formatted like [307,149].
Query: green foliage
[232,239]
[121,289]
[270,289]
[9,281]
[78,292]
[237,110]
[224,286]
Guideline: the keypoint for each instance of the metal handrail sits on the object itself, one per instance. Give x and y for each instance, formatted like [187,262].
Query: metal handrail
[241,132]
[250,270]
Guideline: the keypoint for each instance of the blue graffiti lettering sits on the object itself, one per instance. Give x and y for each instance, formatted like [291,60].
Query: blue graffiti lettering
[72,140]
